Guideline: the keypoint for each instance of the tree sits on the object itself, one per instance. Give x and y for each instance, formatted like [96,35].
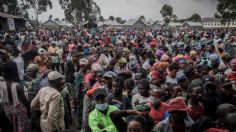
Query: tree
[142,17]
[112,18]
[122,21]
[174,17]
[56,19]
[38,6]
[77,11]
[50,17]
[226,10]
[166,12]
[195,18]
[101,18]
[118,19]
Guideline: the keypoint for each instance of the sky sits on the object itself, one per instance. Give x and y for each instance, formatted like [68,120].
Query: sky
[131,9]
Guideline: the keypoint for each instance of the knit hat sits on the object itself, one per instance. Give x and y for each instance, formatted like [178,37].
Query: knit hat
[122,60]
[177,104]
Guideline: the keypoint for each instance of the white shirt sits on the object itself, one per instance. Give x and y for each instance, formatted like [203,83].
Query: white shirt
[20,66]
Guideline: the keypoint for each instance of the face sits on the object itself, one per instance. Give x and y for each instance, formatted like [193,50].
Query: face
[134,126]
[233,64]
[100,99]
[143,90]
[177,91]
[93,74]
[60,84]
[74,58]
[197,94]
[182,65]
[156,82]
[178,116]
[173,73]
[108,80]
[184,83]
[117,88]
[157,96]
[168,92]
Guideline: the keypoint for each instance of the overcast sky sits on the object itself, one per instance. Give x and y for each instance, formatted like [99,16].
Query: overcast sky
[128,9]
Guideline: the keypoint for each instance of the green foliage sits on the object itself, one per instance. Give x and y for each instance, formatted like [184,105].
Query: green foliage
[77,11]
[118,19]
[166,12]
[101,18]
[195,18]
[226,10]
[112,18]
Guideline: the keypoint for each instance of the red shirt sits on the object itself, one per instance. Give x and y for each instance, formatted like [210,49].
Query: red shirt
[157,115]
[196,112]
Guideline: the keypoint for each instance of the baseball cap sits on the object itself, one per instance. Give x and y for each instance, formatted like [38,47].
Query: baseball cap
[99,91]
[54,75]
[180,77]
[208,80]
[109,74]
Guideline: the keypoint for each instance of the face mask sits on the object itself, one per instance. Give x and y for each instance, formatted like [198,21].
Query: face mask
[101,107]
[155,101]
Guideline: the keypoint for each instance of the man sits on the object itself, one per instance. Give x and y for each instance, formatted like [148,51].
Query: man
[143,96]
[158,108]
[183,83]
[173,68]
[20,65]
[99,118]
[50,102]
[108,77]
[211,98]
[196,108]
[116,97]
[9,63]
[178,121]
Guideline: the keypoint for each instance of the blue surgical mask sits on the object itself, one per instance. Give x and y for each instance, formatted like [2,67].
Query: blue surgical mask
[101,107]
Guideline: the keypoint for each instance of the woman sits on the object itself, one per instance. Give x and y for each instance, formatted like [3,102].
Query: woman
[14,102]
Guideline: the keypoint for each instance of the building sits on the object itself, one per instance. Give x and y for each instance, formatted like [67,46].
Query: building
[193,25]
[211,23]
[17,22]
[175,24]
[55,24]
[156,25]
[109,25]
[138,24]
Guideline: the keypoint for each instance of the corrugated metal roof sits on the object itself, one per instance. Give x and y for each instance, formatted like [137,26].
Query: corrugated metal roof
[5,15]
[193,24]
[131,22]
[109,23]
[175,24]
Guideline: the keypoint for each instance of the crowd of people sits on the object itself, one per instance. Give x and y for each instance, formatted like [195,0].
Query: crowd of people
[165,80]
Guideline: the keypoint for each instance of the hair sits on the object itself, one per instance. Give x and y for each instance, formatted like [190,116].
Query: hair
[144,82]
[174,66]
[192,86]
[143,72]
[130,83]
[119,80]
[230,122]
[140,119]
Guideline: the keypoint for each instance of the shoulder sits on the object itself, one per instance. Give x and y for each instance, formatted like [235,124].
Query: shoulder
[112,108]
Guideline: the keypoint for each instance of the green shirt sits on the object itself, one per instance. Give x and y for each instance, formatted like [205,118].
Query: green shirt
[96,117]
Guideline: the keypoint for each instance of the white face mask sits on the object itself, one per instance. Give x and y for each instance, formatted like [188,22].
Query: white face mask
[101,107]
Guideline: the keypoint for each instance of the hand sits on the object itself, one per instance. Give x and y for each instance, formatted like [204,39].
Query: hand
[116,101]
[134,112]
[100,126]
